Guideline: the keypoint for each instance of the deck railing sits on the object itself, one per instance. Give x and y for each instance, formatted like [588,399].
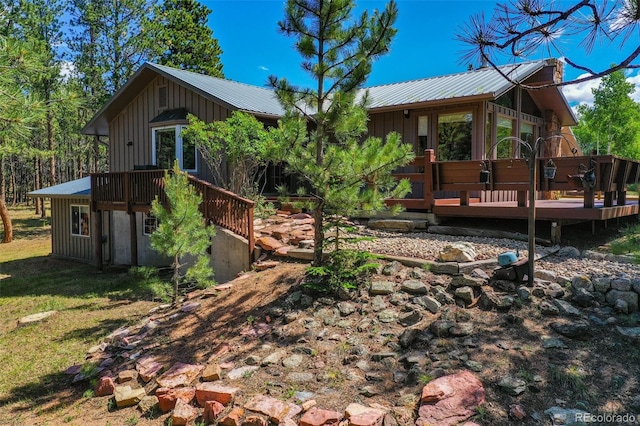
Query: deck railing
[134,191]
[612,176]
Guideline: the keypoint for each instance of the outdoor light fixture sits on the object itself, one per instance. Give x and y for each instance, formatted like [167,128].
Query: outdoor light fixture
[550,169]
[130,143]
[406,113]
[589,176]
[485,173]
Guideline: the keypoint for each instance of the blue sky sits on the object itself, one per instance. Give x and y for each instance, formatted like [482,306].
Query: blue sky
[424,46]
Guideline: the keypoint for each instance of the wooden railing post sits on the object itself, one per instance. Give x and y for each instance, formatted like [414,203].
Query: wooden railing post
[251,237]
[429,159]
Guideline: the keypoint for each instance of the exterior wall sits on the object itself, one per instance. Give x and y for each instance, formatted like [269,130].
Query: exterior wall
[229,255]
[63,244]
[121,242]
[132,124]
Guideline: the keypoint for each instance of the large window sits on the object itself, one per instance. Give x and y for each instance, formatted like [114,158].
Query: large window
[169,145]
[80,224]
[504,147]
[454,136]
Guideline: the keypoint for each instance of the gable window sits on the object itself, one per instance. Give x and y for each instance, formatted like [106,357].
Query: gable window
[150,224]
[169,145]
[80,224]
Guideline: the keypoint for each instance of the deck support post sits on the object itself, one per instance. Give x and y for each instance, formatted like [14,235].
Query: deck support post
[133,236]
[556,232]
[97,238]
[589,199]
[622,198]
[429,158]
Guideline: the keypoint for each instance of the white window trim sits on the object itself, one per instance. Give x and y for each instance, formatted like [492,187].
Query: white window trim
[146,216]
[80,207]
[179,148]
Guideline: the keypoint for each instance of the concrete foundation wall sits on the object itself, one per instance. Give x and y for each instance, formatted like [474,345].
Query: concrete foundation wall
[229,255]
[121,243]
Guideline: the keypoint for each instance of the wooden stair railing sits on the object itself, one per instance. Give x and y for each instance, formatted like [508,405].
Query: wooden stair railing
[134,191]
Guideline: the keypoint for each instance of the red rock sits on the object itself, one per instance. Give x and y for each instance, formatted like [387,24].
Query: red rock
[274,408]
[179,375]
[210,391]
[220,350]
[167,398]
[299,222]
[105,386]
[318,417]
[183,413]
[450,400]
[359,415]
[262,266]
[517,412]
[212,410]
[233,418]
[254,421]
[282,251]
[148,368]
[301,216]
[269,243]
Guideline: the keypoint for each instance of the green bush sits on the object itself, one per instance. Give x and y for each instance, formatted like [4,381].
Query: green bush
[343,269]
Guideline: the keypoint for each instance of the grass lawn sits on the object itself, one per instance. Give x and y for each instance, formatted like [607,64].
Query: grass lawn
[89,306]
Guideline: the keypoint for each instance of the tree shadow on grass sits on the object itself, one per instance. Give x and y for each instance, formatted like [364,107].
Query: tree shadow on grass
[39,276]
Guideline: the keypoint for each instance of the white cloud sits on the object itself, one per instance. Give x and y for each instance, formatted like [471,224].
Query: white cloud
[581,93]
[66,69]
[263,68]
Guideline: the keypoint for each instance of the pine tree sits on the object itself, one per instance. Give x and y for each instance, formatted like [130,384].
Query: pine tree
[344,172]
[180,29]
[182,231]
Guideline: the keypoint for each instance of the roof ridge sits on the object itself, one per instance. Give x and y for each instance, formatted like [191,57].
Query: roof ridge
[173,70]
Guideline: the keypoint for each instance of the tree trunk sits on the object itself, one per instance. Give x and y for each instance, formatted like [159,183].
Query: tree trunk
[6,222]
[43,210]
[3,179]
[12,182]
[36,183]
[318,234]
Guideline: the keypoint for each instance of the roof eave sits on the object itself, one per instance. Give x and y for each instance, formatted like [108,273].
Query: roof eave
[433,103]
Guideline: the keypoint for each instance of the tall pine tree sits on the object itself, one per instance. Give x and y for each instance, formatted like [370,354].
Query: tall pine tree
[344,172]
[179,29]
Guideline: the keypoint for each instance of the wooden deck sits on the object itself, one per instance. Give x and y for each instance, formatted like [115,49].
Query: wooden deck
[454,188]
[134,191]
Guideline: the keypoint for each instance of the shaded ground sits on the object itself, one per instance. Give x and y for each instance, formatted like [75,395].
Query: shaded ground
[599,374]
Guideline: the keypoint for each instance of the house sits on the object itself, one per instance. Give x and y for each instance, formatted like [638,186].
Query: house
[456,117]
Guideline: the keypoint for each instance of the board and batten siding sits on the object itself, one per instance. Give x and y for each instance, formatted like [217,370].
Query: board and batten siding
[132,123]
[63,244]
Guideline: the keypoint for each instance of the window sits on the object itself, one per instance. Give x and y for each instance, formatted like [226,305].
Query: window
[169,145]
[504,147]
[150,224]
[423,133]
[80,224]
[454,136]
[162,97]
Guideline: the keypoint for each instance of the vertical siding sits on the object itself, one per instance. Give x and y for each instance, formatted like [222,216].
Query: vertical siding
[132,124]
[64,244]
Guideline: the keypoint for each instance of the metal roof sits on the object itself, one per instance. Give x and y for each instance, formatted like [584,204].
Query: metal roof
[80,188]
[240,96]
[483,82]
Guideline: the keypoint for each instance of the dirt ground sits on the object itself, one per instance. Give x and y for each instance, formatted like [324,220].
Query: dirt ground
[600,374]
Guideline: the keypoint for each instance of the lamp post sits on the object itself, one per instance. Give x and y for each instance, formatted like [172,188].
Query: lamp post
[531,219]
